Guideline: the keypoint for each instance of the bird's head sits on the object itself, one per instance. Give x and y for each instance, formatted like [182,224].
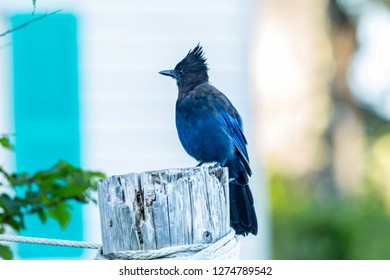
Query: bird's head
[190,71]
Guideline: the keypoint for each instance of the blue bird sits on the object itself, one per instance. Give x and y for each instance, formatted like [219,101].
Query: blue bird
[210,130]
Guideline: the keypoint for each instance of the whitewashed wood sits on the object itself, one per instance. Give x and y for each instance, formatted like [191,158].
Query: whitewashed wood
[157,209]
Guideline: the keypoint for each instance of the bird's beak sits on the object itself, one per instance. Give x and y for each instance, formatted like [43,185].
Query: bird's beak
[170,73]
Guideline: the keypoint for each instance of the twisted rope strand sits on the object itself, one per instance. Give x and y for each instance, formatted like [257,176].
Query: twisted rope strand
[226,247]
[48,241]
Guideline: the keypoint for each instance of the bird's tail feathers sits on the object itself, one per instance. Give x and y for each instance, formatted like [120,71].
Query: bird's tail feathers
[242,211]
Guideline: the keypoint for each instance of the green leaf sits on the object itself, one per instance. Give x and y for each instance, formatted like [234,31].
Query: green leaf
[61,214]
[20,179]
[32,197]
[5,253]
[42,216]
[9,205]
[14,224]
[6,175]
[4,141]
[22,224]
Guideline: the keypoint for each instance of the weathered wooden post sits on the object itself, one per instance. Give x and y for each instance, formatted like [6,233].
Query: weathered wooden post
[154,210]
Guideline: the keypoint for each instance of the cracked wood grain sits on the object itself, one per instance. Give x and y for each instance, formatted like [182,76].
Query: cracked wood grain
[157,209]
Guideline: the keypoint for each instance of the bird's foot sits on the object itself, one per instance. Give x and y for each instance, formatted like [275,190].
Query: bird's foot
[209,164]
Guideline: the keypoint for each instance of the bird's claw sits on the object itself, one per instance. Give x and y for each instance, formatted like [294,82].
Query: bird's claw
[209,164]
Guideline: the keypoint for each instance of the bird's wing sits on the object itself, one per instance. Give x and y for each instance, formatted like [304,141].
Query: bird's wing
[230,117]
[236,134]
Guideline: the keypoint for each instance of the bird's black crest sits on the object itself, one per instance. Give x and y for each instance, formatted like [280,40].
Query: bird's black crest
[194,61]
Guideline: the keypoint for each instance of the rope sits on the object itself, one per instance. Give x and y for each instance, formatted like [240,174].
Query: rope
[48,241]
[227,247]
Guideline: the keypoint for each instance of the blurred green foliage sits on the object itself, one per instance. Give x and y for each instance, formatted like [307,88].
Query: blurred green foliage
[308,224]
[46,193]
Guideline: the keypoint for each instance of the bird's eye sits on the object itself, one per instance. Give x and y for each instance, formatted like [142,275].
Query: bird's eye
[181,72]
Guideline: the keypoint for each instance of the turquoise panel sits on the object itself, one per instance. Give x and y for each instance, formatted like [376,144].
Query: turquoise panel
[46,114]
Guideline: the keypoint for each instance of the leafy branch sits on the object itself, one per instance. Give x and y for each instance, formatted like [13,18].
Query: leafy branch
[46,193]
